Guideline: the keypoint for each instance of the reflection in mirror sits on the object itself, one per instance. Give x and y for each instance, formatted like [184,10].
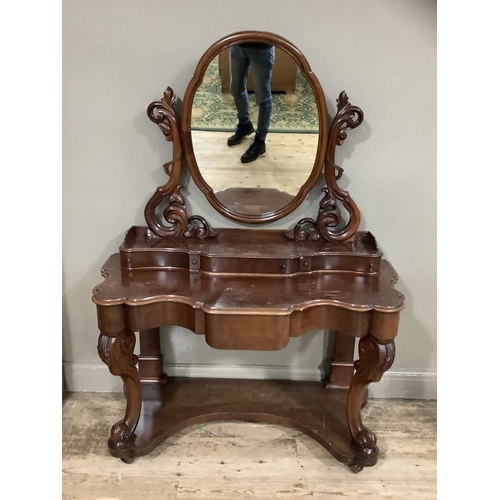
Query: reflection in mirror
[257,167]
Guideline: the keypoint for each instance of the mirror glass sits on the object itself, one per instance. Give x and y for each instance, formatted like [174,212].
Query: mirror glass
[257,166]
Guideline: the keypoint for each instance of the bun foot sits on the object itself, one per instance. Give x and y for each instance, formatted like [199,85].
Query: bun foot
[127,460]
[356,468]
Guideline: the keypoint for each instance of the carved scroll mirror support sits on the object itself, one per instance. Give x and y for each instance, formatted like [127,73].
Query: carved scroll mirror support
[329,217]
[179,223]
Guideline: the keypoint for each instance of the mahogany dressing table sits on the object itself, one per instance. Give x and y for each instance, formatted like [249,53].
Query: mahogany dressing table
[248,288]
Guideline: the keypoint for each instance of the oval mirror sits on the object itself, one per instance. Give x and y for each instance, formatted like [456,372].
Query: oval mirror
[253,126]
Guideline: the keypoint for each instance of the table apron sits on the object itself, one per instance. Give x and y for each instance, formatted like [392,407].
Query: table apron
[247,330]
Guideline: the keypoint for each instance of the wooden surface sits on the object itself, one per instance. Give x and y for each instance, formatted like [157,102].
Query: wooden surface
[247,311]
[342,365]
[305,406]
[259,252]
[248,293]
[232,460]
[254,200]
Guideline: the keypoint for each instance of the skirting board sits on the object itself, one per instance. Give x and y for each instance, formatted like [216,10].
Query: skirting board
[95,377]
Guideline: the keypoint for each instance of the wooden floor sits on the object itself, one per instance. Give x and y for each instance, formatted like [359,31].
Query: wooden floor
[285,166]
[233,460]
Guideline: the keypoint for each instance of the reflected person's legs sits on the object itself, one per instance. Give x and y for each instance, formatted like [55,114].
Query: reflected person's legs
[261,64]
[239,65]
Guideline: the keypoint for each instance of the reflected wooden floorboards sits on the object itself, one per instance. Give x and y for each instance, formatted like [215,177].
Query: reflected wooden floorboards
[229,460]
[285,166]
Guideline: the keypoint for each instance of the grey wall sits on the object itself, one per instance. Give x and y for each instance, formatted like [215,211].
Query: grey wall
[120,55]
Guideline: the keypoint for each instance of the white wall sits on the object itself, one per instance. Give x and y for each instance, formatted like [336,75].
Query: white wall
[120,55]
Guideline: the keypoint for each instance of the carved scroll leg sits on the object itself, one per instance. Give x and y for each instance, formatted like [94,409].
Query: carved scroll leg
[375,358]
[118,353]
[151,358]
[342,365]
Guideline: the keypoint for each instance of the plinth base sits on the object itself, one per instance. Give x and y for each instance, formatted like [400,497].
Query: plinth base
[306,406]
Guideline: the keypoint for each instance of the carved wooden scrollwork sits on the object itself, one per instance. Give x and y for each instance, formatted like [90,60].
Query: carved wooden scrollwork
[328,217]
[118,354]
[163,114]
[347,117]
[199,228]
[375,358]
[305,229]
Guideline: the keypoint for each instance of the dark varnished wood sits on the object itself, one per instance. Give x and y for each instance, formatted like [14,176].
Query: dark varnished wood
[251,312]
[342,365]
[254,201]
[212,305]
[305,406]
[329,217]
[151,358]
[260,252]
[174,221]
[117,352]
[375,358]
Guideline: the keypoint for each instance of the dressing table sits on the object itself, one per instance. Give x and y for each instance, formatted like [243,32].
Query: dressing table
[249,288]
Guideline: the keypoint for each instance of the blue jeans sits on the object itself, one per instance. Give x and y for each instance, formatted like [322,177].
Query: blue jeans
[261,62]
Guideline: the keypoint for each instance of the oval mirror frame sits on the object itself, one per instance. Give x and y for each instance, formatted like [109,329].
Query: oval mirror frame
[187,142]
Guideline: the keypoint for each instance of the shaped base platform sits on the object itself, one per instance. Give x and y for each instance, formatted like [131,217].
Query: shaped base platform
[306,406]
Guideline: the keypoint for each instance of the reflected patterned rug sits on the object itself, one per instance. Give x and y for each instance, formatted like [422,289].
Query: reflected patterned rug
[213,110]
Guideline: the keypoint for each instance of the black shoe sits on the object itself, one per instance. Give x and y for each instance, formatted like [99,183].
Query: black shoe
[241,132]
[257,148]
